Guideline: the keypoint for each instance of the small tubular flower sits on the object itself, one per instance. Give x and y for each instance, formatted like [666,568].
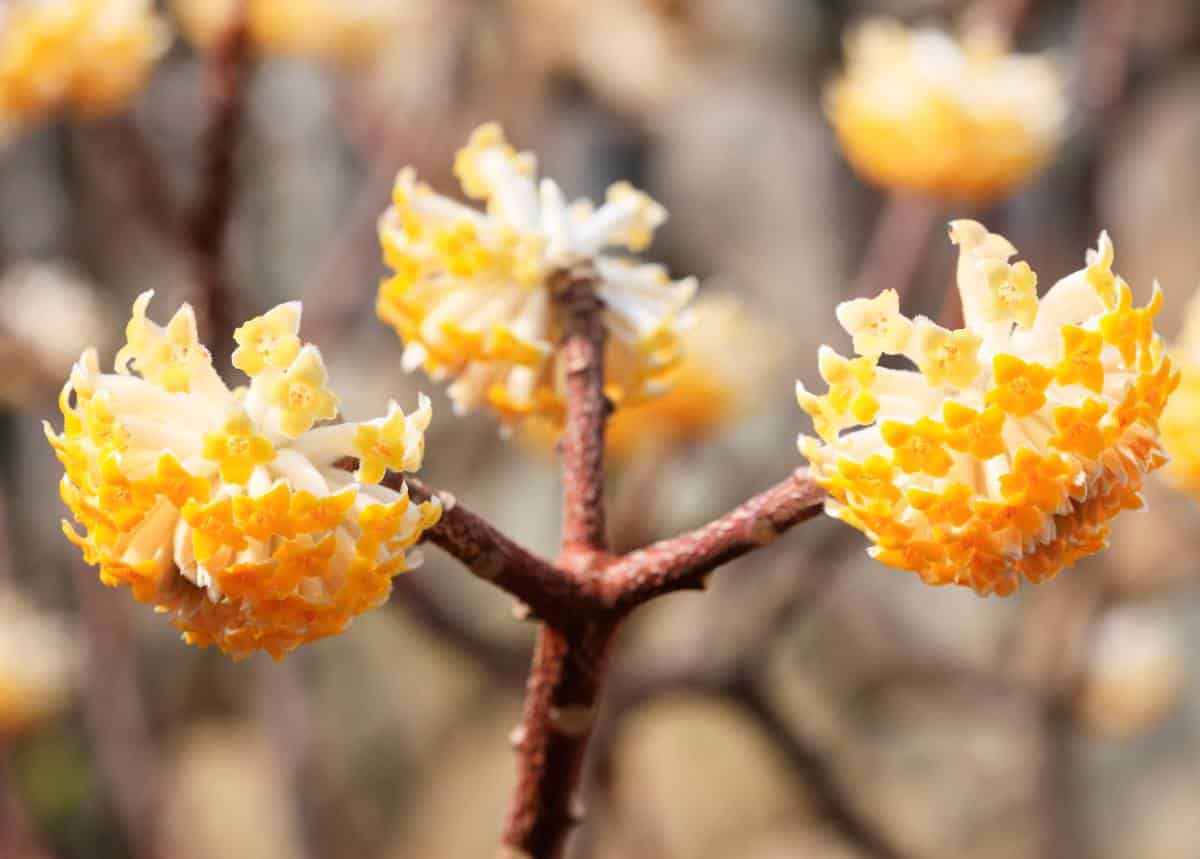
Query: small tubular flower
[39,665]
[917,110]
[472,294]
[87,56]
[1007,459]
[227,509]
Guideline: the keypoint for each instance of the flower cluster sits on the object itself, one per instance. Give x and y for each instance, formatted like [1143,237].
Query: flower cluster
[1015,440]
[89,56]
[1181,418]
[916,110]
[39,665]
[346,32]
[227,508]
[472,296]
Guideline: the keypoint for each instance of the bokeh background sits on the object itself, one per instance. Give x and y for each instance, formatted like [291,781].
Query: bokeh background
[812,702]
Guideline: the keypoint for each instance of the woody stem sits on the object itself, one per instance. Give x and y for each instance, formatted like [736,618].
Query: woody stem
[571,655]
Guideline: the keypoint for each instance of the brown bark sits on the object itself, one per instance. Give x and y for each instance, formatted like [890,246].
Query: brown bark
[568,665]
[683,562]
[582,598]
[227,68]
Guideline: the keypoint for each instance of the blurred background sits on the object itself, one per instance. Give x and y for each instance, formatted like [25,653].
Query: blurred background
[812,702]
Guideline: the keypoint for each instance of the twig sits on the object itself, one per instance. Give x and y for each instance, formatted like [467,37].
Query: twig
[582,445]
[570,658]
[683,562]
[560,707]
[897,245]
[151,191]
[582,599]
[490,555]
[1110,29]
[830,797]
[226,71]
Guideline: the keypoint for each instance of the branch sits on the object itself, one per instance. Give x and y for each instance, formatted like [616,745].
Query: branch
[570,660]
[764,611]
[896,246]
[141,173]
[683,562]
[560,709]
[831,798]
[228,66]
[582,445]
[490,555]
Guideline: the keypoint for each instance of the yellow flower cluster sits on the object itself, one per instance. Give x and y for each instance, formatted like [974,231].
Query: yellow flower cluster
[336,31]
[39,665]
[916,110]
[472,298]
[227,509]
[1182,417]
[1005,453]
[89,56]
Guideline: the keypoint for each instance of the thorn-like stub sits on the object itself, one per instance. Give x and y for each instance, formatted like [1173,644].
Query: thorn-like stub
[449,502]
[576,810]
[572,721]
[516,737]
[521,611]
[763,532]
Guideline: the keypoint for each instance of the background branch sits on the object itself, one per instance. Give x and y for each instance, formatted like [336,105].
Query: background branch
[226,71]
[504,661]
[761,610]
[897,245]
